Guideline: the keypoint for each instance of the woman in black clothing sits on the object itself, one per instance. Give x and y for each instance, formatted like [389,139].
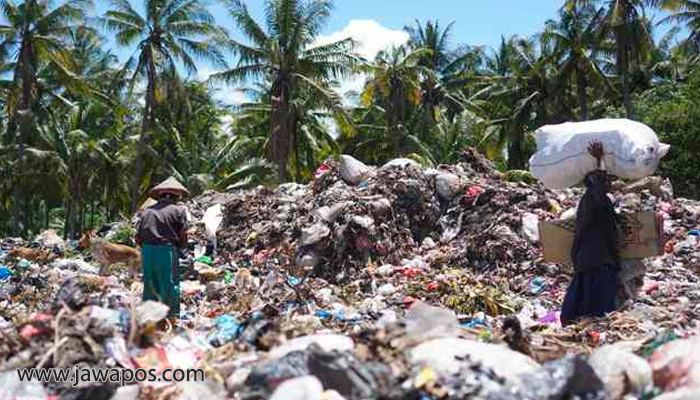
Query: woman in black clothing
[594,253]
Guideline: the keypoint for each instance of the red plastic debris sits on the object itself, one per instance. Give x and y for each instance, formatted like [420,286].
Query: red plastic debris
[650,287]
[321,170]
[29,331]
[474,191]
[213,313]
[595,336]
[669,246]
[40,317]
[411,272]
[263,255]
[363,242]
[408,300]
[381,249]
[433,286]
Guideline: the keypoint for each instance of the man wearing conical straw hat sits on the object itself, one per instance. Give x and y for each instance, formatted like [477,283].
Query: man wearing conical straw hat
[162,231]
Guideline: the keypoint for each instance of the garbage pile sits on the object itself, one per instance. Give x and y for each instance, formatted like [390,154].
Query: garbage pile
[398,282]
[352,216]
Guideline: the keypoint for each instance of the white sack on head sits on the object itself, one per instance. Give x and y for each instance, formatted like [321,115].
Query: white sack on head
[632,151]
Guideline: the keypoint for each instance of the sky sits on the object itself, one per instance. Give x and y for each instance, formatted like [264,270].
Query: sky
[378,24]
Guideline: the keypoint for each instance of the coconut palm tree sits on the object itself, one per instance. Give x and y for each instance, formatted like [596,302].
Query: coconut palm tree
[169,33]
[519,95]
[446,62]
[394,84]
[286,52]
[34,33]
[313,141]
[577,49]
[452,135]
[626,23]
[686,12]
[62,161]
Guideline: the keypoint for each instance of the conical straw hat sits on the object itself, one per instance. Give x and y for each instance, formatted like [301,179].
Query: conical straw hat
[170,185]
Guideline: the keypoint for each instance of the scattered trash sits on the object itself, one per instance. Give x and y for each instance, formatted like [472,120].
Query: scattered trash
[446,356]
[353,171]
[621,371]
[408,283]
[568,378]
[227,329]
[537,285]
[302,388]
[5,273]
[150,313]
[676,365]
[12,388]
[344,373]
[326,342]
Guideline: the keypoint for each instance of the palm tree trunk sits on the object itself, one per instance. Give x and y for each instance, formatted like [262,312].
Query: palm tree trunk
[25,72]
[623,67]
[516,159]
[297,162]
[81,216]
[626,93]
[583,100]
[295,143]
[138,173]
[68,223]
[394,115]
[17,214]
[282,126]
[91,210]
[146,126]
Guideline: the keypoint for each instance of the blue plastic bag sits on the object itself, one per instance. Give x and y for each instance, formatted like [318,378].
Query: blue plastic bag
[227,329]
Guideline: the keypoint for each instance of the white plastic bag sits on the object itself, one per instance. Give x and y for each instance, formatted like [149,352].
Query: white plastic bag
[424,322]
[352,170]
[445,356]
[632,150]
[401,163]
[212,220]
[328,342]
[530,228]
[448,185]
[621,370]
[302,388]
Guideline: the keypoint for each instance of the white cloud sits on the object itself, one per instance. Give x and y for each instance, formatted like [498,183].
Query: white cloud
[371,38]
[224,93]
[231,96]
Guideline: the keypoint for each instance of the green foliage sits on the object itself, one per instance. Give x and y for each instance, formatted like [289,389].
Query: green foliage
[125,235]
[520,176]
[673,111]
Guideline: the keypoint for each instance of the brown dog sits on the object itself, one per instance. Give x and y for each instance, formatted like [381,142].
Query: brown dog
[107,253]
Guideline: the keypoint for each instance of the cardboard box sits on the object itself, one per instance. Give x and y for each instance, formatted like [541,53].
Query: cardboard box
[642,237]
